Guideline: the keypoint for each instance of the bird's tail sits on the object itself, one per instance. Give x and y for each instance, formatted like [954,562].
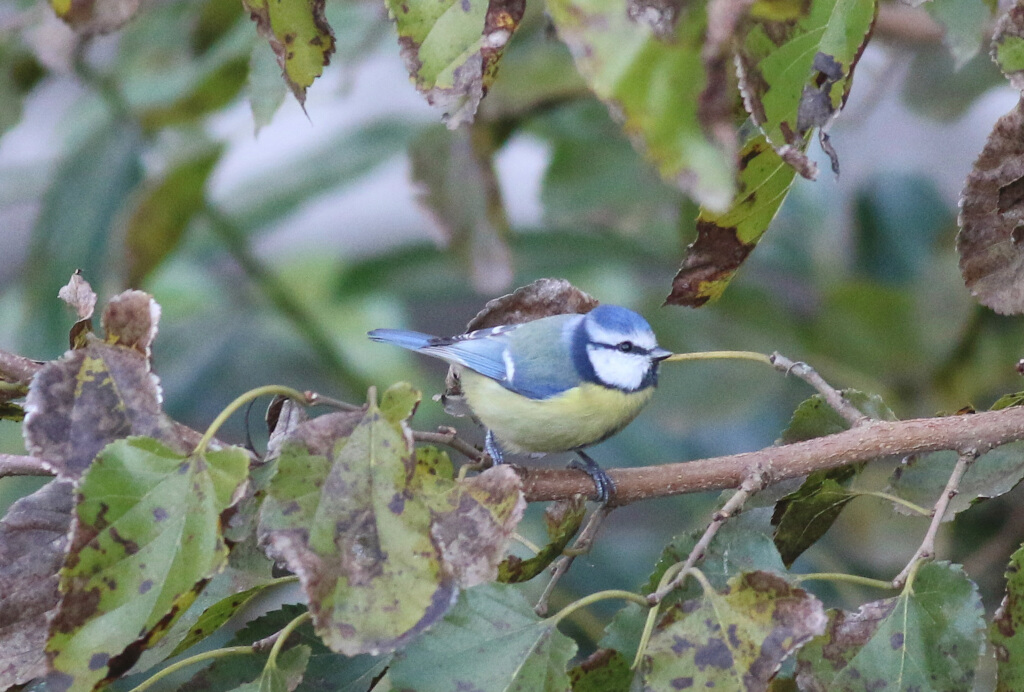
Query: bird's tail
[413,341]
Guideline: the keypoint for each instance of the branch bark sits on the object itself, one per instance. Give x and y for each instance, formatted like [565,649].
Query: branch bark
[16,465]
[980,431]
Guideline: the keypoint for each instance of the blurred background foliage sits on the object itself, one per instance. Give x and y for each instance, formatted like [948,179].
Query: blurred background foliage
[133,157]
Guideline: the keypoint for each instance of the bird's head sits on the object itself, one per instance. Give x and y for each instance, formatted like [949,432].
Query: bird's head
[616,348]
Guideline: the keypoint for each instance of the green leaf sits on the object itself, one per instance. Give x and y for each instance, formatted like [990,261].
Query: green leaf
[562,520]
[734,639]
[1008,48]
[248,571]
[284,675]
[606,670]
[1008,401]
[457,185]
[814,418]
[162,214]
[741,545]
[73,229]
[33,541]
[300,36]
[725,238]
[490,641]
[379,551]
[921,479]
[1007,629]
[804,516]
[652,77]
[928,638]
[266,90]
[215,87]
[326,671]
[795,74]
[451,48]
[145,540]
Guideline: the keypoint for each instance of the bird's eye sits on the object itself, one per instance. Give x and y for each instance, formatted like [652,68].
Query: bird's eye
[625,346]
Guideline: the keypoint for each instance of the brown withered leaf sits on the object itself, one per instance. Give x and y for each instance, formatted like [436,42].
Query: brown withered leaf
[88,398]
[542,298]
[992,219]
[130,319]
[89,17]
[33,541]
[79,296]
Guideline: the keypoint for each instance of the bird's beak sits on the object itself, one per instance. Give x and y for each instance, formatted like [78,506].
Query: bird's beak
[660,354]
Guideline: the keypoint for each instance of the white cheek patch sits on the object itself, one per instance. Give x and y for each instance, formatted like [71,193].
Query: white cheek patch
[617,369]
[600,335]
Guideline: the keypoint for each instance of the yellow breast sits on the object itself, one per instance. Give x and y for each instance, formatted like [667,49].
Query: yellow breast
[576,418]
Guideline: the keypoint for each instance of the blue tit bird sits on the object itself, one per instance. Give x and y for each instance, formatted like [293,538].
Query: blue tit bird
[556,384]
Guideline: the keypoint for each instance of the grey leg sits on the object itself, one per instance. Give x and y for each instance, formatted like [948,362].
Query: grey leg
[493,449]
[604,484]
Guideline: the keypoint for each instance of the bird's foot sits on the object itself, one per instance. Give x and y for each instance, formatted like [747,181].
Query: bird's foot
[493,449]
[602,481]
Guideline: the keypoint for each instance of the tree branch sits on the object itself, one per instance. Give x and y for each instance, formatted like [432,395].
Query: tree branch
[17,369]
[980,431]
[15,465]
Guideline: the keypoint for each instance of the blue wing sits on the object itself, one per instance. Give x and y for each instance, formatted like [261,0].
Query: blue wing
[542,366]
[475,350]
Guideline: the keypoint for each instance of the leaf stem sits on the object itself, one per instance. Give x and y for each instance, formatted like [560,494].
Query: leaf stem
[594,598]
[720,355]
[283,636]
[917,509]
[840,576]
[239,402]
[191,660]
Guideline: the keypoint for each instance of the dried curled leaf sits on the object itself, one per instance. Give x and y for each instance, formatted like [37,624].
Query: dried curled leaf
[542,298]
[452,47]
[992,219]
[79,296]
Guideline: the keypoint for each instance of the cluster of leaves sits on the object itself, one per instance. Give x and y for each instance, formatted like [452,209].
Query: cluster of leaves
[151,537]
[723,99]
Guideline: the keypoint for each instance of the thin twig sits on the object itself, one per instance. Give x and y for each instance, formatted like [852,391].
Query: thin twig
[449,438]
[580,547]
[17,465]
[833,397]
[927,549]
[316,399]
[17,369]
[751,484]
